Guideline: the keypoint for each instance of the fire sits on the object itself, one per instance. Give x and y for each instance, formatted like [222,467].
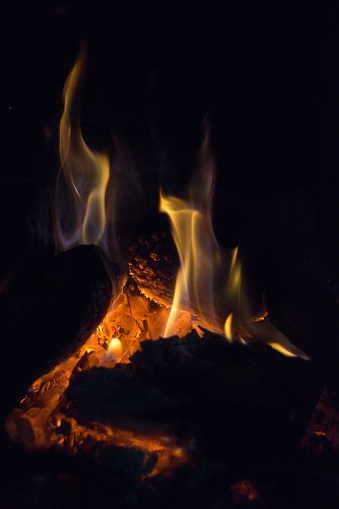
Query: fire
[208,288]
[115,347]
[200,256]
[204,285]
[81,206]
[228,327]
[234,291]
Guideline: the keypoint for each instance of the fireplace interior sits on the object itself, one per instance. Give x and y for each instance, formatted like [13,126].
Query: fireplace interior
[230,116]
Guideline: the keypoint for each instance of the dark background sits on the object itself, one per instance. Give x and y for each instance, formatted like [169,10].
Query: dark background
[265,73]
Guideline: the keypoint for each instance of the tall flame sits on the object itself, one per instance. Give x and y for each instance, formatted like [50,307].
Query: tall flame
[192,230]
[81,206]
[208,283]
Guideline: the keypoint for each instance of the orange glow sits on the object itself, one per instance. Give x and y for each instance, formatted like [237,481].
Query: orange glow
[169,455]
[81,208]
[244,492]
[115,347]
[39,410]
[41,413]
[209,291]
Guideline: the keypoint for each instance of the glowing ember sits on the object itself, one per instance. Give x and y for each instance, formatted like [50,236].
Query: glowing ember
[208,292]
[243,492]
[38,422]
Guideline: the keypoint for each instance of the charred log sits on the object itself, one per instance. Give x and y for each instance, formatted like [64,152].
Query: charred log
[154,264]
[238,402]
[153,259]
[52,314]
[58,480]
[285,480]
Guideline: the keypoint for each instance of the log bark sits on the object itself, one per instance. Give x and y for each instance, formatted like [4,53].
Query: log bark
[153,259]
[154,265]
[52,314]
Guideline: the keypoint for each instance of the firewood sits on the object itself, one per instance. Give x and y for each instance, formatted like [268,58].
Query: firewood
[52,314]
[154,264]
[235,403]
[153,259]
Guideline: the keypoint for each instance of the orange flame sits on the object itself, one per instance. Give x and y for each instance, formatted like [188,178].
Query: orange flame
[235,294]
[86,173]
[200,256]
[203,285]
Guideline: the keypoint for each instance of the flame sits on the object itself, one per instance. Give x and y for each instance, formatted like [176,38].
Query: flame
[208,284]
[202,280]
[81,208]
[267,333]
[234,280]
[204,285]
[235,294]
[228,327]
[199,253]
[115,347]
[209,280]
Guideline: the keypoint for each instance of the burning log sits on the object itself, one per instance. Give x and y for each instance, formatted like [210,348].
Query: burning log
[154,264]
[194,396]
[52,314]
[153,259]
